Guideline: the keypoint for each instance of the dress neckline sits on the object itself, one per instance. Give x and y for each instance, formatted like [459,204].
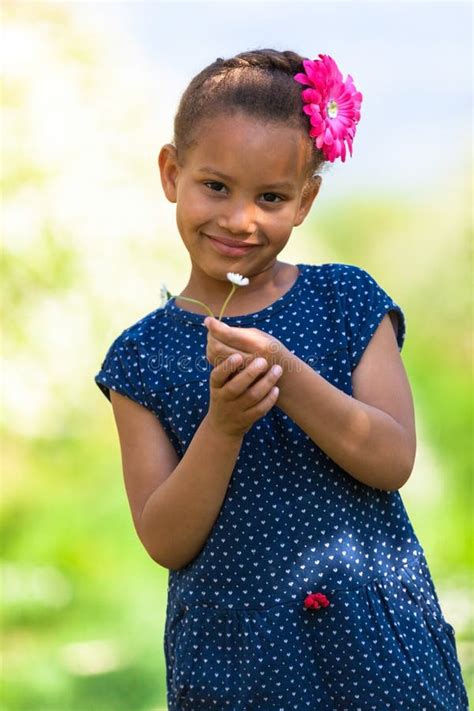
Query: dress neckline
[190,317]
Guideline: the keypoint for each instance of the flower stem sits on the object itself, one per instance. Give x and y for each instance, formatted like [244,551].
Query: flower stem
[195,301]
[227,300]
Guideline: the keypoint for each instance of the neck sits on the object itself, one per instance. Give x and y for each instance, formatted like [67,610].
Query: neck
[214,292]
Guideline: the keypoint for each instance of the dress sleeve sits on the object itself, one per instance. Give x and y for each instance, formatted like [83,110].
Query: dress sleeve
[123,370]
[120,371]
[366,305]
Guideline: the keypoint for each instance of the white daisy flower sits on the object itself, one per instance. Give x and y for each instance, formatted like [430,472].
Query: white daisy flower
[237,279]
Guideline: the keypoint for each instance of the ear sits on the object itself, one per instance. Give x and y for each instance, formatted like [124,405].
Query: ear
[169,169]
[307,198]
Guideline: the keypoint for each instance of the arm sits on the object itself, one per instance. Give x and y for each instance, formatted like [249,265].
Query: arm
[370,435]
[174,503]
[179,515]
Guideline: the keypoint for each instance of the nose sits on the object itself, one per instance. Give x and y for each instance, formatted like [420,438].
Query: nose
[239,217]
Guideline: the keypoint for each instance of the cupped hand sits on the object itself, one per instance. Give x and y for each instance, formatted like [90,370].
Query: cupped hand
[224,340]
[239,399]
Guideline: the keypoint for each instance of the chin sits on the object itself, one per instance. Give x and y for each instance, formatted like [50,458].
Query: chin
[216,272]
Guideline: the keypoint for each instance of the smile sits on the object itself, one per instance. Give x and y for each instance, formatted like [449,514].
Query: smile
[228,250]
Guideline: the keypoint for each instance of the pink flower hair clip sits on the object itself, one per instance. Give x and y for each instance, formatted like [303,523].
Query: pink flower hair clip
[332,105]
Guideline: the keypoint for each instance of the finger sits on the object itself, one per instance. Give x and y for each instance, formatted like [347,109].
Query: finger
[231,335]
[224,370]
[216,351]
[240,382]
[261,408]
[260,388]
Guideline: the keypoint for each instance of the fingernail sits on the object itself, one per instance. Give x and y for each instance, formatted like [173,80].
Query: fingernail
[260,363]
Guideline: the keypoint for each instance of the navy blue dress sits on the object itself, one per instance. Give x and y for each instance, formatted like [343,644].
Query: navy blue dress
[312,590]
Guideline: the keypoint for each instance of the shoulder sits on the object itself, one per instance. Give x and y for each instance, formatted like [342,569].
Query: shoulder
[135,352]
[343,274]
[335,271]
[163,351]
[338,277]
[145,331]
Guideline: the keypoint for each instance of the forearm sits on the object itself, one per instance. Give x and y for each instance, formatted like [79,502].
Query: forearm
[178,516]
[363,440]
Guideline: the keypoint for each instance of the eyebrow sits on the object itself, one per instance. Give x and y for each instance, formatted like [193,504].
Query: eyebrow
[207,169]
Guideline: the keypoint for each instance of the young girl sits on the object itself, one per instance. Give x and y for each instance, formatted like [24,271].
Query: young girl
[263,452]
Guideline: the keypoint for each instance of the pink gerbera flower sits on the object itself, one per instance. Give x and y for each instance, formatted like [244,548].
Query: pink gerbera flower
[332,105]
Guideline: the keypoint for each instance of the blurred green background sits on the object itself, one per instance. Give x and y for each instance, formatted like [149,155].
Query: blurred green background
[88,238]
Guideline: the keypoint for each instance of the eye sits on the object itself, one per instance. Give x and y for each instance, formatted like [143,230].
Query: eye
[212,183]
[274,195]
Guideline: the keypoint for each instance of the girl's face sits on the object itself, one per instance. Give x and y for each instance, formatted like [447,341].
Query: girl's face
[242,182]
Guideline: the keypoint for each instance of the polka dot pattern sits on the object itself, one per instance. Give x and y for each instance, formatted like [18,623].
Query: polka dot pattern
[293,523]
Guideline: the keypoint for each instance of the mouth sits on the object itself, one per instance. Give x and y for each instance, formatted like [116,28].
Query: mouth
[229,247]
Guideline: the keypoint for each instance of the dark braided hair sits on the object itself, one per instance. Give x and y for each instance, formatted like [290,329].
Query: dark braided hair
[259,83]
